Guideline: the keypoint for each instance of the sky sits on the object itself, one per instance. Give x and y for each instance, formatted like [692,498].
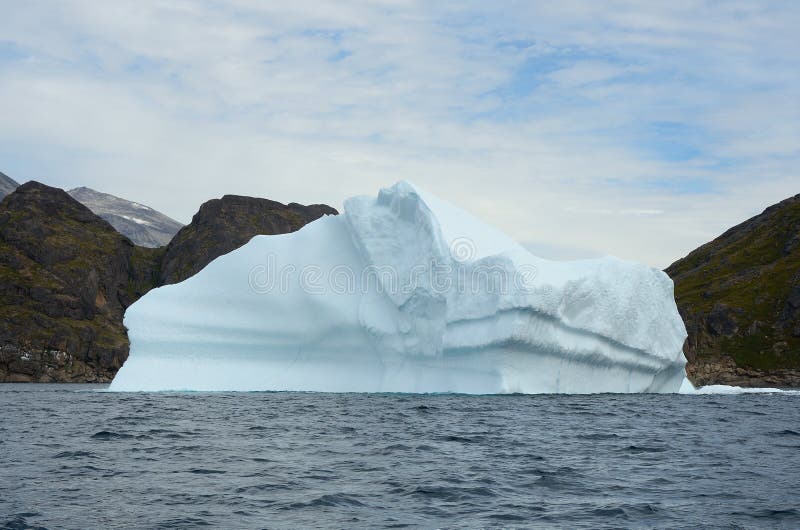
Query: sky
[580,128]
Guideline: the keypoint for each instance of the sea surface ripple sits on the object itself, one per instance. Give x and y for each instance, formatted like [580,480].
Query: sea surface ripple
[73,457]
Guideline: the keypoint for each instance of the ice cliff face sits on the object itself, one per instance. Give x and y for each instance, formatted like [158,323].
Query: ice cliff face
[406,293]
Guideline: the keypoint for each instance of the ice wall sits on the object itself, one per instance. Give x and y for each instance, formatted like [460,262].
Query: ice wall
[406,293]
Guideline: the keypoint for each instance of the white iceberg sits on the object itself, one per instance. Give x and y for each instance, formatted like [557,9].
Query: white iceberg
[688,388]
[406,293]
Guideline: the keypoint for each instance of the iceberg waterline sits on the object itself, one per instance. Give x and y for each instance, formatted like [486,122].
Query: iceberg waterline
[406,293]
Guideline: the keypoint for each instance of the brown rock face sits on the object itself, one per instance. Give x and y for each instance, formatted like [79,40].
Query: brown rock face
[739,296]
[66,276]
[223,225]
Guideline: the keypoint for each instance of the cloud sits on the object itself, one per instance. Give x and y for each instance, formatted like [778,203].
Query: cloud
[636,129]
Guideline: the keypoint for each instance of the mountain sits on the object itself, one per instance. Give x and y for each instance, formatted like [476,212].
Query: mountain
[67,276]
[7,185]
[223,225]
[739,296]
[139,223]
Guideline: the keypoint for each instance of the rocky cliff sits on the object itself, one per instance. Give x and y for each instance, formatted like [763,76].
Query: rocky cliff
[67,276]
[223,225]
[141,224]
[739,296]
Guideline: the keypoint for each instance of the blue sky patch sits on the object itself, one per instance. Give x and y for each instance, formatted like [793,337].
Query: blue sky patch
[10,51]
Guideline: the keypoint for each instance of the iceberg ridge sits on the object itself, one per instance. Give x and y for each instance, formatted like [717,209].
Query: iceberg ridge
[406,293]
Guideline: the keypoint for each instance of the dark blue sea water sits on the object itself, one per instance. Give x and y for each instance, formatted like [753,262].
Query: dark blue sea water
[72,457]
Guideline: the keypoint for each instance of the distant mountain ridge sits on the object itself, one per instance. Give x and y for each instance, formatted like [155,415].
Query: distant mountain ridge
[67,276]
[739,296]
[7,185]
[141,224]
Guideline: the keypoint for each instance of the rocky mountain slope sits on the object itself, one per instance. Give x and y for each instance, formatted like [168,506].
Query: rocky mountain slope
[139,223]
[7,185]
[67,276]
[223,225]
[739,296]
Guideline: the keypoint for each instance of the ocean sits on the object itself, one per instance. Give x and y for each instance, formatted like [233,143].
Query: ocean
[74,456]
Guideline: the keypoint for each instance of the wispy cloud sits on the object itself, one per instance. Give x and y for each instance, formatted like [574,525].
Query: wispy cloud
[637,129]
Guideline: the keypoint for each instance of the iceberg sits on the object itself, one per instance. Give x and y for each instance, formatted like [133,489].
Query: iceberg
[404,292]
[716,390]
